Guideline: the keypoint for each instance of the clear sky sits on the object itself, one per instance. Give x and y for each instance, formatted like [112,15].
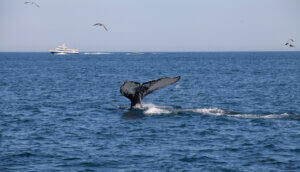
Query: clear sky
[150,25]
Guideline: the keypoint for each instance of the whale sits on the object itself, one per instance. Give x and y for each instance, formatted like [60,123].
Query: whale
[135,91]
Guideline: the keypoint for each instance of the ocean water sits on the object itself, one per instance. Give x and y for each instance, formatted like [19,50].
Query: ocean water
[231,111]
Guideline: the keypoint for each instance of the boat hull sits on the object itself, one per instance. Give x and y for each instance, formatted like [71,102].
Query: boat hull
[63,53]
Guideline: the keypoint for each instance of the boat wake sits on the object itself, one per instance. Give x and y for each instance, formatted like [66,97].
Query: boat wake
[97,53]
[151,109]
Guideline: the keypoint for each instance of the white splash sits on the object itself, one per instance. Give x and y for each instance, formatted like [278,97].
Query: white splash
[177,86]
[213,111]
[219,112]
[151,109]
[270,116]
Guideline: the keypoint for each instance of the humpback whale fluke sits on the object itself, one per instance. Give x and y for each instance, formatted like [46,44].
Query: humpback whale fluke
[135,91]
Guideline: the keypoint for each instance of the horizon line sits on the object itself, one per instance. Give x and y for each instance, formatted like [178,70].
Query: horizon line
[157,51]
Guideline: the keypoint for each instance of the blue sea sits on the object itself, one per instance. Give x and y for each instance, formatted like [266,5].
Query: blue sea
[230,111]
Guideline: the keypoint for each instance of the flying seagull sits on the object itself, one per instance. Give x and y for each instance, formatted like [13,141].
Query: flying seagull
[288,42]
[100,24]
[32,3]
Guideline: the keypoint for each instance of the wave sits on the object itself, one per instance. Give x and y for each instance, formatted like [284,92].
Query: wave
[151,109]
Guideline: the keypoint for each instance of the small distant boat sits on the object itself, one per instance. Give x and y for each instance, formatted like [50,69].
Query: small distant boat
[62,49]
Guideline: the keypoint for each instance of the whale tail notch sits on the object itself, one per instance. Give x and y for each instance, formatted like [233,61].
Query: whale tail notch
[135,91]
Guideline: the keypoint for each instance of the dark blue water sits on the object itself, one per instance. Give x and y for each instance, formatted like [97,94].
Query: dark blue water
[229,112]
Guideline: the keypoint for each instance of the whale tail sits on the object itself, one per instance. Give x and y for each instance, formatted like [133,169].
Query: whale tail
[135,91]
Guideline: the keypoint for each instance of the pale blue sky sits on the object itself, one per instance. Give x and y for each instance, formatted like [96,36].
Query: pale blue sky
[150,25]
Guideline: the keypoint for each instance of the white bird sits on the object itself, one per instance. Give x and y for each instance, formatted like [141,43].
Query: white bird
[288,42]
[32,3]
[100,24]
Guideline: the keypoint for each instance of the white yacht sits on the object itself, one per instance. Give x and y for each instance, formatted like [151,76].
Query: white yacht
[62,49]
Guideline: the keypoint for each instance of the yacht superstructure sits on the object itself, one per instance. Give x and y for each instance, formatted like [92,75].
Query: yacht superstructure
[62,49]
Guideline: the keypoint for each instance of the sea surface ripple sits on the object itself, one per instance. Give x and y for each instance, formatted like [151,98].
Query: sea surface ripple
[231,111]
